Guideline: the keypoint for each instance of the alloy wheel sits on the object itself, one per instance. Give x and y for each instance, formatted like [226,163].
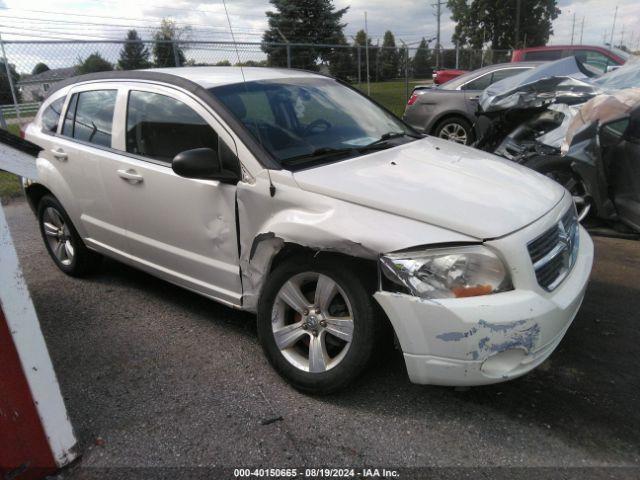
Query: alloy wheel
[454,132]
[576,187]
[312,322]
[58,236]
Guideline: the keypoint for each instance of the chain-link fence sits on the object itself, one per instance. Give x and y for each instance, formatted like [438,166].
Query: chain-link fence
[29,68]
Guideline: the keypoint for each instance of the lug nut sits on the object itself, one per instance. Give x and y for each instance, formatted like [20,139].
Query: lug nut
[305,312]
[323,323]
[318,310]
[305,326]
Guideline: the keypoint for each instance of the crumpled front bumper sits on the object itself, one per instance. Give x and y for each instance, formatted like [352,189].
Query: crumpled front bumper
[486,339]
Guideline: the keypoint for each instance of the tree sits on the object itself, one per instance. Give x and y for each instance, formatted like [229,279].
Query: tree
[40,68]
[389,57]
[422,61]
[134,54]
[223,63]
[341,63]
[5,87]
[302,21]
[166,48]
[493,21]
[94,63]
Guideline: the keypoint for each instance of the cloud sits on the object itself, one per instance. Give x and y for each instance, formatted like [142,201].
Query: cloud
[410,20]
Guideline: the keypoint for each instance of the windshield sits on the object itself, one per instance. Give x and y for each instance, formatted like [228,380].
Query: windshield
[621,53]
[310,117]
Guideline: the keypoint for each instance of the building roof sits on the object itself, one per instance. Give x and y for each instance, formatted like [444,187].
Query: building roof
[53,75]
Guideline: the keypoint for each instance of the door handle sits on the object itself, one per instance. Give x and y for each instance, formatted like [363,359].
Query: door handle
[130,175]
[59,154]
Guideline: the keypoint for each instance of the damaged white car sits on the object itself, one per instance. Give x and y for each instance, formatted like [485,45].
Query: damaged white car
[291,195]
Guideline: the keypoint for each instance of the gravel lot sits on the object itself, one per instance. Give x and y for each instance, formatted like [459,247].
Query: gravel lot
[157,376]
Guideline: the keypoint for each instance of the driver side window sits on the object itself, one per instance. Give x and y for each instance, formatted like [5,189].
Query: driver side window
[160,127]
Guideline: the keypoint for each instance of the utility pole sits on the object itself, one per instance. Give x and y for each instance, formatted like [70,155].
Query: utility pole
[622,36]
[581,30]
[573,27]
[438,6]
[613,28]
[515,43]
[366,52]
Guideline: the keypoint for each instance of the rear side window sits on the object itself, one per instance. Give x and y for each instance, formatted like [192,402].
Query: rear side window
[51,116]
[160,127]
[506,73]
[90,116]
[479,83]
[543,55]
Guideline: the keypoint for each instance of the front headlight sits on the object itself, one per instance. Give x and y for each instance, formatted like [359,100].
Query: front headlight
[447,272]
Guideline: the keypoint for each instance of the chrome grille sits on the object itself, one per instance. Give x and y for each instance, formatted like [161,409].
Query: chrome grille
[554,252]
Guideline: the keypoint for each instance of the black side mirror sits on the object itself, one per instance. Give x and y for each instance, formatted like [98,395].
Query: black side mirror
[203,164]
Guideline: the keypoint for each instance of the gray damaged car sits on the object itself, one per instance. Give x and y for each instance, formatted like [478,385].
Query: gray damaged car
[449,110]
[580,128]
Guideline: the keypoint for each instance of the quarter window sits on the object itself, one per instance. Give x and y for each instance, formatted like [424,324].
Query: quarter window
[51,115]
[90,116]
[160,127]
[506,73]
[479,83]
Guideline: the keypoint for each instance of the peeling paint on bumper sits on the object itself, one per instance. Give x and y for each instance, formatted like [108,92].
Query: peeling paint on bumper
[487,339]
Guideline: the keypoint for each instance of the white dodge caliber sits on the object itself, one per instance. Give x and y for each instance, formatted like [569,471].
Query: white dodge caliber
[292,195]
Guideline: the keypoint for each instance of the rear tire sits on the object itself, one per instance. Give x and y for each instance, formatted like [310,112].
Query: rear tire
[62,241]
[455,129]
[309,339]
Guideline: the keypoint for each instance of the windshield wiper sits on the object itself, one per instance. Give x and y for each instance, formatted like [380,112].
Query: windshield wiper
[319,153]
[382,141]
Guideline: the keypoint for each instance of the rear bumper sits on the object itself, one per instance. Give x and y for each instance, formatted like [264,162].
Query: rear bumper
[488,339]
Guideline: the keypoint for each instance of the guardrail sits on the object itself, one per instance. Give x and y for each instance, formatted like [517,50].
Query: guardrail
[24,109]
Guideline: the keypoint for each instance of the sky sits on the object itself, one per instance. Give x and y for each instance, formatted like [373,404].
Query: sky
[408,19]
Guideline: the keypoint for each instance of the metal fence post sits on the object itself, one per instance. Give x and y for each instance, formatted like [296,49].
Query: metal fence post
[457,56]
[3,122]
[11,86]
[288,55]
[359,66]
[176,57]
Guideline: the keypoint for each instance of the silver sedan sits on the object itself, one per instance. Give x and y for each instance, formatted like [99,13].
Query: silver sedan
[448,110]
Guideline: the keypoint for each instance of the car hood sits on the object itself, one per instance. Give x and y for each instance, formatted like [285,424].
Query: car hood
[440,183]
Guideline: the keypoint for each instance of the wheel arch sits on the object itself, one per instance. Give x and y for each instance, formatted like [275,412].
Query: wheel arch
[34,192]
[268,251]
[447,116]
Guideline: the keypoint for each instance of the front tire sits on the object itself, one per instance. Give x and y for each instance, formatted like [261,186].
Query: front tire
[559,169]
[62,241]
[317,323]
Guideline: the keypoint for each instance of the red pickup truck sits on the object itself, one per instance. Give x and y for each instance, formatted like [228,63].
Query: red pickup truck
[598,57]
[601,58]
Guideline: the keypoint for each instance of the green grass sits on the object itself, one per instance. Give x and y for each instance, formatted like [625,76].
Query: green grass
[10,183]
[391,94]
